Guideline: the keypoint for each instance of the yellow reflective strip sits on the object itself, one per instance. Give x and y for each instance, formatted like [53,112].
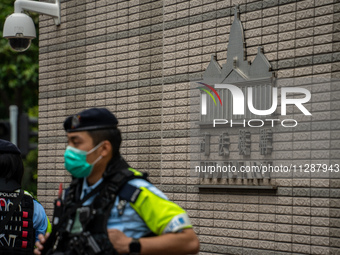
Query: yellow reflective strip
[27,193]
[135,172]
[49,226]
[155,211]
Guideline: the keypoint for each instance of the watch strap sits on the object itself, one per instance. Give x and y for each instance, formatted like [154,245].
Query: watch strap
[134,247]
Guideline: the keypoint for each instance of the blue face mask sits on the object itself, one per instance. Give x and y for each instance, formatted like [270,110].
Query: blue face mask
[75,161]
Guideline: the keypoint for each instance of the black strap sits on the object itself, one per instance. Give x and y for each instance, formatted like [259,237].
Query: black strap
[79,203]
[129,193]
[115,177]
[11,211]
[50,241]
[117,181]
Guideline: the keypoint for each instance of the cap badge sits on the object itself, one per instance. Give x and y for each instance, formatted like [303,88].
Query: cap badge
[75,121]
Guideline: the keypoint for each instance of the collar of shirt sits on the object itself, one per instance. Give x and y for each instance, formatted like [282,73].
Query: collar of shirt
[86,189]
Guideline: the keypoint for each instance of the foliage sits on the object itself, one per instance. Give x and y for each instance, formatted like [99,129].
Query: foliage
[19,74]
[29,180]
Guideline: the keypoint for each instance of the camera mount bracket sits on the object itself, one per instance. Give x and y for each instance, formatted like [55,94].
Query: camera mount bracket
[51,9]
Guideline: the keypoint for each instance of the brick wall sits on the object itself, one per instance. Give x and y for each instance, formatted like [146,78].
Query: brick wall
[137,58]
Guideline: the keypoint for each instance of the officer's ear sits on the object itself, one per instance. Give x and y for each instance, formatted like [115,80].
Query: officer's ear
[106,148]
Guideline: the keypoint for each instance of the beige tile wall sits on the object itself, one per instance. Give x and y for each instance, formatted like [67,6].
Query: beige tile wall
[137,59]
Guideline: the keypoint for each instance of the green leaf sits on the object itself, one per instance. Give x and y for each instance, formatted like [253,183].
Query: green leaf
[19,75]
[19,72]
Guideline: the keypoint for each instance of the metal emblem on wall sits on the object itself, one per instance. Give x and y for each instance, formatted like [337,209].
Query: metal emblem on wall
[239,72]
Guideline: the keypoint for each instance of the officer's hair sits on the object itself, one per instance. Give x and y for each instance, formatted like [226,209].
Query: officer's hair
[112,135]
[11,167]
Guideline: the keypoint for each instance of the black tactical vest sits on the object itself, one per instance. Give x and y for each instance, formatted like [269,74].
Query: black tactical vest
[18,235]
[85,230]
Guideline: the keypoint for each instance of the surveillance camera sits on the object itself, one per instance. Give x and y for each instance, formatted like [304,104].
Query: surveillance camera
[19,29]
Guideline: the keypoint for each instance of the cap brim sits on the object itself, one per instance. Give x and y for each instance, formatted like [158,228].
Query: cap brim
[90,128]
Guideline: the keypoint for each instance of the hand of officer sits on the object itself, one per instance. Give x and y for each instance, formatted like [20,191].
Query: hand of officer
[119,240]
[39,244]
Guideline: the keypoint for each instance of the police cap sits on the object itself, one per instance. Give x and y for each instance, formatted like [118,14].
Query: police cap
[91,119]
[7,147]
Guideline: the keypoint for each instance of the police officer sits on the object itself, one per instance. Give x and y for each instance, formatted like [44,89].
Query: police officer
[137,217]
[22,218]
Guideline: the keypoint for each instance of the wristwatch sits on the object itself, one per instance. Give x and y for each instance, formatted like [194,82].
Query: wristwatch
[134,247]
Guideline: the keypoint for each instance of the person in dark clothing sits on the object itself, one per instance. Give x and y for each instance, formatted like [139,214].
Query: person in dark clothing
[22,218]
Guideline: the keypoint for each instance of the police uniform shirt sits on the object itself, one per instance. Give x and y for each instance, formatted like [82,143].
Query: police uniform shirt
[40,222]
[130,223]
